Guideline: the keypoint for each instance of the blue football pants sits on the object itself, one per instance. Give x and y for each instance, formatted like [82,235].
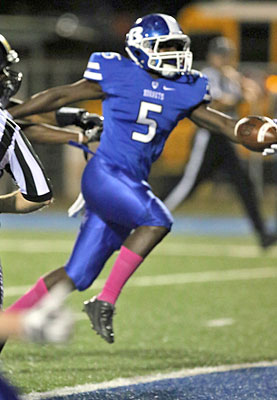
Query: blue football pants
[115,205]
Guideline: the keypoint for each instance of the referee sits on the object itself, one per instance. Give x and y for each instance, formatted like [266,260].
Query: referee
[17,156]
[212,152]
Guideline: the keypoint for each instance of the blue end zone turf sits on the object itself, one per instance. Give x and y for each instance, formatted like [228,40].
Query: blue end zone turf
[244,384]
[58,221]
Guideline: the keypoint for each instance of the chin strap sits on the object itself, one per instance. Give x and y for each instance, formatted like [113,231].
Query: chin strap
[81,146]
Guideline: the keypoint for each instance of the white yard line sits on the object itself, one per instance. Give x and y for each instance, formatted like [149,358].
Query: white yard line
[218,323]
[35,246]
[178,279]
[90,387]
[165,249]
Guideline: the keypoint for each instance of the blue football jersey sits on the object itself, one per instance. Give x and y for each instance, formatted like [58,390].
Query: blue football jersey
[140,111]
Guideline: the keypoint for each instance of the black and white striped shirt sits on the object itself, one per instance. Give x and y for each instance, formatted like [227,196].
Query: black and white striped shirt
[19,159]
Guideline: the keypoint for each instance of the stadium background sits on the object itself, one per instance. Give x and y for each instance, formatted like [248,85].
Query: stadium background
[54,40]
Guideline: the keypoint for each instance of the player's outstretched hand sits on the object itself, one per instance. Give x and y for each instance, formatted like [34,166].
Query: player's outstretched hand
[49,320]
[77,206]
[269,151]
[257,133]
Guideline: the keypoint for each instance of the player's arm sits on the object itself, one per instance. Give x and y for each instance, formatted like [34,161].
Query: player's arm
[87,126]
[15,203]
[214,121]
[57,97]
[45,133]
[46,118]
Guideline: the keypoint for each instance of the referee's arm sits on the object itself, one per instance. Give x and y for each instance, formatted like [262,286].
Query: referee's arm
[15,203]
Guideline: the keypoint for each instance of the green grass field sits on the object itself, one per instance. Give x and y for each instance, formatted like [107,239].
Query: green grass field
[196,301]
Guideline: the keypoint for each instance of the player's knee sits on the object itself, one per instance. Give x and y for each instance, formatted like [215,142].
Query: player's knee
[163,230]
[56,276]
[159,231]
[83,283]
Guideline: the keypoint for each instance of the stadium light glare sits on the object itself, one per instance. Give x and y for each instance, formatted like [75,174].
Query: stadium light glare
[271,83]
[67,25]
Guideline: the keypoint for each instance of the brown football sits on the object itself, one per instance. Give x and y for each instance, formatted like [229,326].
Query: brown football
[255,132]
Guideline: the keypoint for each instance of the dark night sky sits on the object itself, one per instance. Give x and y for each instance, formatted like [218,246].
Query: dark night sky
[56,7]
[112,18]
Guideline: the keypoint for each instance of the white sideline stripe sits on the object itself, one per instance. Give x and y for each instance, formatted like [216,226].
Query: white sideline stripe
[178,279]
[165,249]
[90,387]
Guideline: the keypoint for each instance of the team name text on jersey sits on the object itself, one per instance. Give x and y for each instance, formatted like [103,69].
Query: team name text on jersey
[153,95]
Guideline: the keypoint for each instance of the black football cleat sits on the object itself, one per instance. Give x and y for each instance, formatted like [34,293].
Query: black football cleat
[100,314]
[268,239]
[2,345]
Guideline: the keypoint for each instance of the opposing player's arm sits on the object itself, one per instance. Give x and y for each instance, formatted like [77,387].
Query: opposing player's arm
[214,121]
[46,118]
[49,128]
[57,97]
[49,134]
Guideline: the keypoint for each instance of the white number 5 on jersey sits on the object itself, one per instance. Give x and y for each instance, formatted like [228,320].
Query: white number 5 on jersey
[144,120]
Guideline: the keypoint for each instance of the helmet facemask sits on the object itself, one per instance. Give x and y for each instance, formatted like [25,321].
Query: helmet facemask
[157,43]
[10,82]
[168,55]
[152,53]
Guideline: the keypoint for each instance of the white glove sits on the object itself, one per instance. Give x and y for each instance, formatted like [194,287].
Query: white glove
[93,134]
[272,149]
[268,151]
[49,321]
[77,206]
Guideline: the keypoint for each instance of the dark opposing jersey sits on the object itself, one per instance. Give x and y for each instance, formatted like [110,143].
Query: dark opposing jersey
[139,111]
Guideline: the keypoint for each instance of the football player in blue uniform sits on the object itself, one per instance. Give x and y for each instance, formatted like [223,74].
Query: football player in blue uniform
[143,97]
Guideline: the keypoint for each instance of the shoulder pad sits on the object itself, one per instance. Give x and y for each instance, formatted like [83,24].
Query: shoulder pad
[192,76]
[98,57]
[196,73]
[99,67]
